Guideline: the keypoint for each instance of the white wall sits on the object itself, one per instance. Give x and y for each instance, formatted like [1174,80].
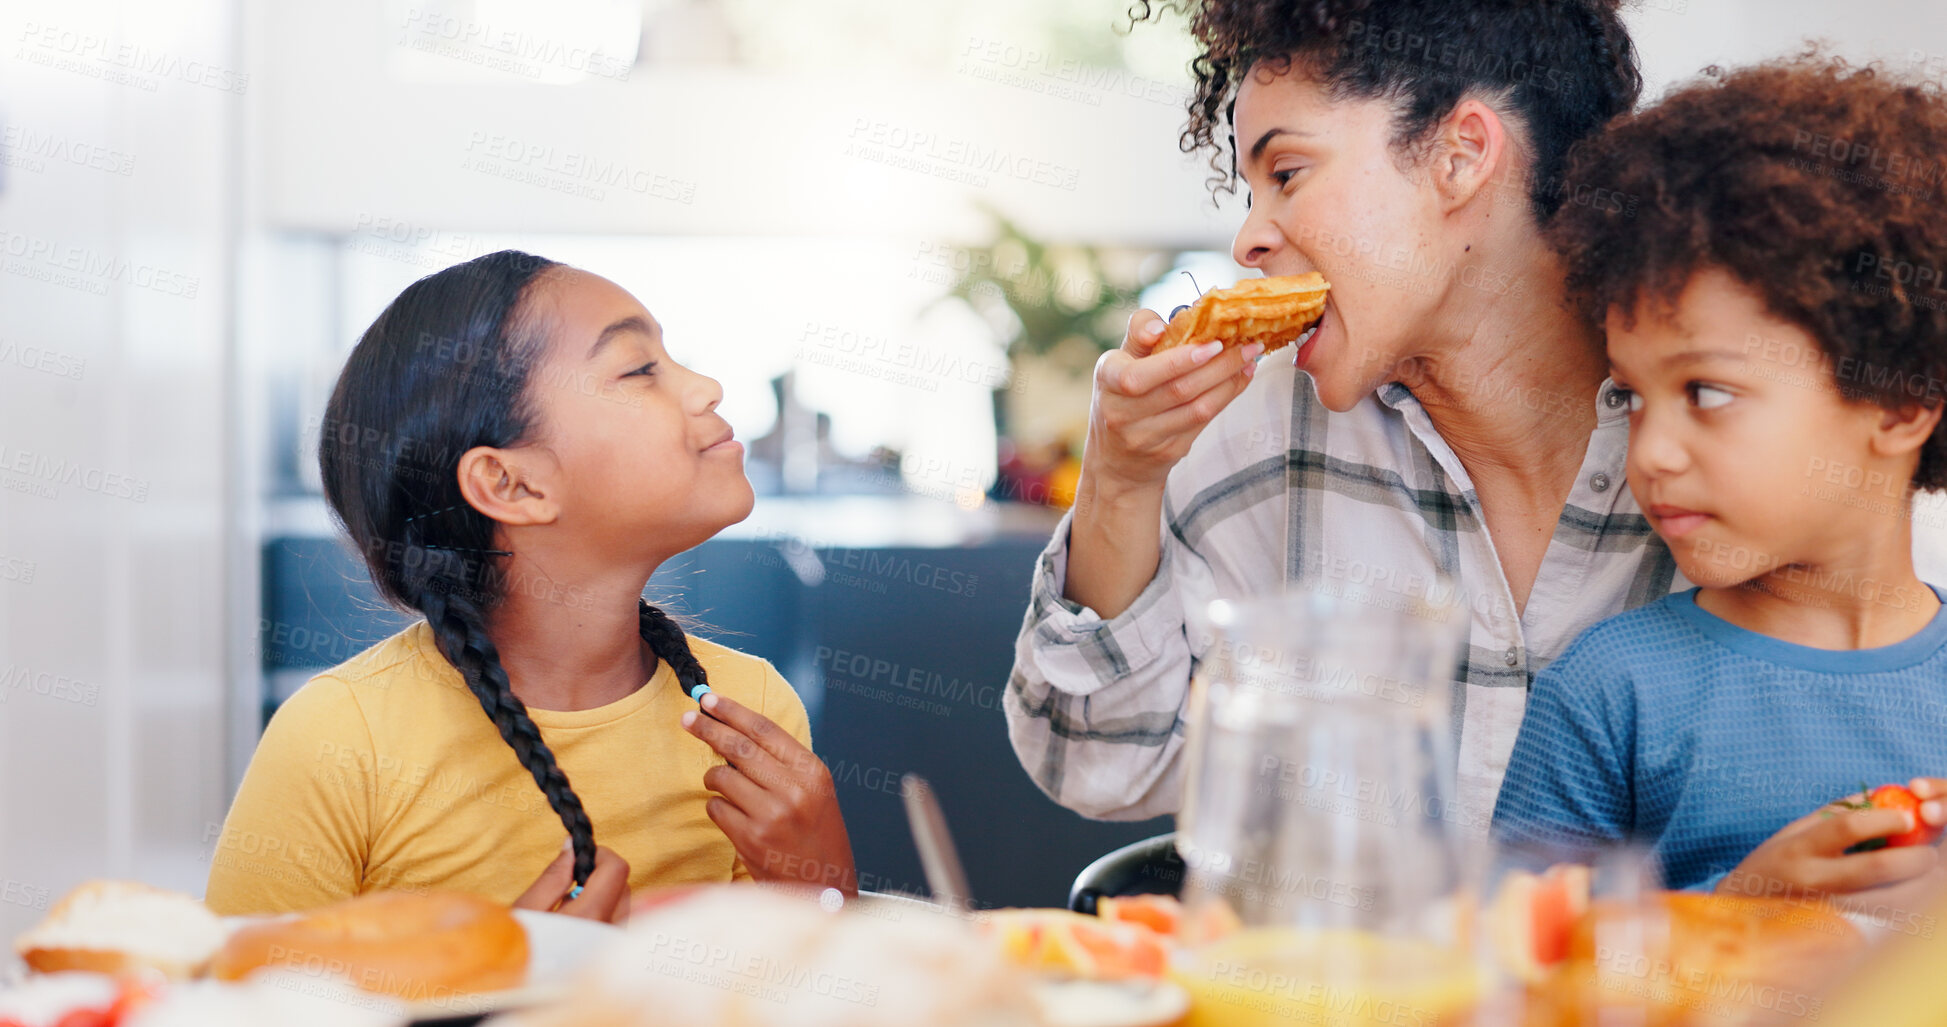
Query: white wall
[767,155]
[115,481]
[1678,38]
[780,155]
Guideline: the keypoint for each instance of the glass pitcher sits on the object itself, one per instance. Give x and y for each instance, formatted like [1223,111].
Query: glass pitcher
[1324,874]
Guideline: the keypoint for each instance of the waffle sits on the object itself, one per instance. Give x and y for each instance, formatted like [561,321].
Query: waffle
[1273,311]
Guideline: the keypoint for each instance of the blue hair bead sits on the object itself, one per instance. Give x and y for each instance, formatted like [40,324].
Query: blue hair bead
[575,892]
[701,691]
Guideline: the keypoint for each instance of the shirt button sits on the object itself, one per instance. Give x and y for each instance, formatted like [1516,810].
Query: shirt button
[1612,399]
[1599,482]
[1513,656]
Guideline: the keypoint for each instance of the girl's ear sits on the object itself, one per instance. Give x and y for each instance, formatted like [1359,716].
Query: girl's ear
[502,484]
[1905,429]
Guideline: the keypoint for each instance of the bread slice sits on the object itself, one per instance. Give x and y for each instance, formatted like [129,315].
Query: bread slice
[115,927]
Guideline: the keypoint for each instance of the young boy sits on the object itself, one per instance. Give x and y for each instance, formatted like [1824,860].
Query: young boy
[1777,324]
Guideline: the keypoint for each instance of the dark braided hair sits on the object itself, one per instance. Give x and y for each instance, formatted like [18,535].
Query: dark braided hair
[1565,67]
[669,642]
[442,370]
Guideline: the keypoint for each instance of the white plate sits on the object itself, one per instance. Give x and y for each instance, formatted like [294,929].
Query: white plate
[1111,1003]
[557,946]
[1064,1003]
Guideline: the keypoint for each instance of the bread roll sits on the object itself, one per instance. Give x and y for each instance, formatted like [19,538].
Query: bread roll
[115,927]
[421,947]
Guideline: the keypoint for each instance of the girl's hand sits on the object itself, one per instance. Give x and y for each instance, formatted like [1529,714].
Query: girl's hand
[774,799]
[605,897]
[1808,855]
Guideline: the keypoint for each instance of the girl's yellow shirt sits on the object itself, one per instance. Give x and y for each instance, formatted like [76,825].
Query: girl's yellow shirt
[385,773]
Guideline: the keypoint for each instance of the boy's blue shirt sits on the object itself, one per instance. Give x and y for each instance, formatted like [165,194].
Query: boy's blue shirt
[1673,728]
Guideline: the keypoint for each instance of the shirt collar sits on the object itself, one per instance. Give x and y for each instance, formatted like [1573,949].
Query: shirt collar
[1611,408]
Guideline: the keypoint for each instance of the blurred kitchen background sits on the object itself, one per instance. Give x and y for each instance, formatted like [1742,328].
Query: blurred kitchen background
[898,231]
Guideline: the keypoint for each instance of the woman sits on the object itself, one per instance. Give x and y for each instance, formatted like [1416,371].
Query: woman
[1453,417]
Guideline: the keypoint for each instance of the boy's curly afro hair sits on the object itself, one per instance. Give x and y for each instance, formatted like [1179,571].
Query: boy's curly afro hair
[1816,183]
[1564,67]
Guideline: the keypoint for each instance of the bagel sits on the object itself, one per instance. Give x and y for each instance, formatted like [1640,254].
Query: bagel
[418,946]
[1273,311]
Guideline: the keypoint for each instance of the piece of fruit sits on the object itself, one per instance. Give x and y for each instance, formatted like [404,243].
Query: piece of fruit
[133,992]
[1560,899]
[1058,942]
[1534,916]
[1897,797]
[1159,913]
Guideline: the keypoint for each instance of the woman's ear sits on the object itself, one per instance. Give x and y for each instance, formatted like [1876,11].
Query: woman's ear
[1905,429]
[504,485]
[1472,150]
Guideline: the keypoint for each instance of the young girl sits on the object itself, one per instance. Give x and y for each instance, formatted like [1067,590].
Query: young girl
[514,453]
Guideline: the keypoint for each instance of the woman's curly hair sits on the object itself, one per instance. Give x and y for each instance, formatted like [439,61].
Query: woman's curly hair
[1815,183]
[1565,67]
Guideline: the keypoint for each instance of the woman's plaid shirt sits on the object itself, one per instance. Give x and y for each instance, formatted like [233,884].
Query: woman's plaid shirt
[1279,490]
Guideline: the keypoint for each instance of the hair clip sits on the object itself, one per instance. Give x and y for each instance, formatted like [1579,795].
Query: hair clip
[1193,284]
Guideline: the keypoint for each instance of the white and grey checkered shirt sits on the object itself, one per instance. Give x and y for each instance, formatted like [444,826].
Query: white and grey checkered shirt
[1279,490]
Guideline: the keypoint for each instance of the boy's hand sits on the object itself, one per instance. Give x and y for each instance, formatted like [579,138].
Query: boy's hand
[1808,855]
[774,799]
[1932,793]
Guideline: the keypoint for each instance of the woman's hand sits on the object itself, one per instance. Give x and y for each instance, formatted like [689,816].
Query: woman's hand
[605,897]
[775,799]
[1147,409]
[1808,856]
[1149,406]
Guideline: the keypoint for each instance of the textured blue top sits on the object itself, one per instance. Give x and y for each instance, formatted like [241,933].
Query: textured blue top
[1673,728]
